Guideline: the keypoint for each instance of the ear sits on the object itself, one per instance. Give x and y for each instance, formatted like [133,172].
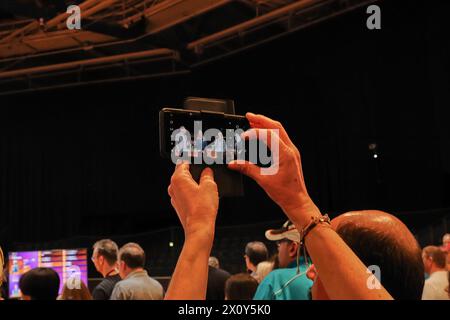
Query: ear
[293,249]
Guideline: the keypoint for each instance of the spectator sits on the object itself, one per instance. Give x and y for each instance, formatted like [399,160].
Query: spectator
[241,286]
[214,262]
[216,283]
[448,287]
[289,282]
[380,239]
[136,284]
[80,293]
[446,243]
[263,269]
[434,263]
[2,262]
[342,273]
[39,284]
[255,252]
[104,258]
[446,248]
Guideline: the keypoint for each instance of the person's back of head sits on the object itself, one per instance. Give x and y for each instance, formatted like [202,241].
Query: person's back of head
[240,286]
[255,252]
[39,284]
[380,239]
[446,239]
[214,262]
[107,249]
[433,258]
[131,257]
[80,292]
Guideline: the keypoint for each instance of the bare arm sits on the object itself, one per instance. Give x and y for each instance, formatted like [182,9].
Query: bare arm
[190,279]
[196,206]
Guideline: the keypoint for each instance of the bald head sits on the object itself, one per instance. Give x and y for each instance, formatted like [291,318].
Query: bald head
[256,252]
[132,255]
[379,238]
[380,222]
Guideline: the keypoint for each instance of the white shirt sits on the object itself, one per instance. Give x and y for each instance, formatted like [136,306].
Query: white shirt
[435,286]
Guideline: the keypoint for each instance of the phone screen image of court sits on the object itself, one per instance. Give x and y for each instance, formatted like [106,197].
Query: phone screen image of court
[66,262]
[189,138]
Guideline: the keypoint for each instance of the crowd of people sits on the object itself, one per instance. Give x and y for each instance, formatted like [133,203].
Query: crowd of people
[358,255]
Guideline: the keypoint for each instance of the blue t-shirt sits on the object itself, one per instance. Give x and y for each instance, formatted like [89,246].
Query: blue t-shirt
[282,284]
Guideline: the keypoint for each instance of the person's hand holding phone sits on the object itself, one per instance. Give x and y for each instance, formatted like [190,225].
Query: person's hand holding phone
[195,203]
[287,186]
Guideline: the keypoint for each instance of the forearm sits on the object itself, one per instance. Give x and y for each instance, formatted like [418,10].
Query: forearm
[190,279]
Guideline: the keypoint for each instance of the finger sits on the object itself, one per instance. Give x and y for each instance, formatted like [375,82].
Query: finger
[263,122]
[268,136]
[181,170]
[206,175]
[182,166]
[249,169]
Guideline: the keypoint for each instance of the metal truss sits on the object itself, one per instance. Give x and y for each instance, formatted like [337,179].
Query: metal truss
[121,39]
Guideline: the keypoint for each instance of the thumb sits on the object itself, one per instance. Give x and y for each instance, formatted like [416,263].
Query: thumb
[206,177]
[249,169]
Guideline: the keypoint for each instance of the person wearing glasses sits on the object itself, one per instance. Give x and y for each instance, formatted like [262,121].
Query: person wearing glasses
[104,258]
[289,281]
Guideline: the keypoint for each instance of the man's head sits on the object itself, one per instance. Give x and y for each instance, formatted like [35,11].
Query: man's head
[446,243]
[446,239]
[39,284]
[255,252]
[381,239]
[104,256]
[433,259]
[213,262]
[241,286]
[288,242]
[131,258]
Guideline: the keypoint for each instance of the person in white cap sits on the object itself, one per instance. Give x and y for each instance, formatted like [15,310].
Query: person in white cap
[289,282]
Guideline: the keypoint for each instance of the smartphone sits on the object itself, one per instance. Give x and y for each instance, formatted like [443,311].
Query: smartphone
[202,137]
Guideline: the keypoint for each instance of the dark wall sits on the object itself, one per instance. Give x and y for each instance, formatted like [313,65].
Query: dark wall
[86,160]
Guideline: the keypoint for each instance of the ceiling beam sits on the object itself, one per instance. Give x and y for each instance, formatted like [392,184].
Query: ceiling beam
[89,62]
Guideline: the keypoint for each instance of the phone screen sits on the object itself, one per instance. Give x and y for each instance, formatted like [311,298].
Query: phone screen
[203,138]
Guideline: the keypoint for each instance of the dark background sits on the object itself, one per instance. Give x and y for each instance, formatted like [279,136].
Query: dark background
[85,161]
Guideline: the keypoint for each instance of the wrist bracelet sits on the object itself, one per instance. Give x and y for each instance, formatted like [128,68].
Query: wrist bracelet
[314,222]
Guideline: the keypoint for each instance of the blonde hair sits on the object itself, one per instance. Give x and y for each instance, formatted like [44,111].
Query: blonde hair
[263,269]
[81,293]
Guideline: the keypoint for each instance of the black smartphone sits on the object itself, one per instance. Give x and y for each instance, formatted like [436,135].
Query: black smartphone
[202,137]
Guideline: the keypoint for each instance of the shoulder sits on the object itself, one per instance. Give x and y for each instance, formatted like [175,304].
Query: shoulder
[278,273]
[120,285]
